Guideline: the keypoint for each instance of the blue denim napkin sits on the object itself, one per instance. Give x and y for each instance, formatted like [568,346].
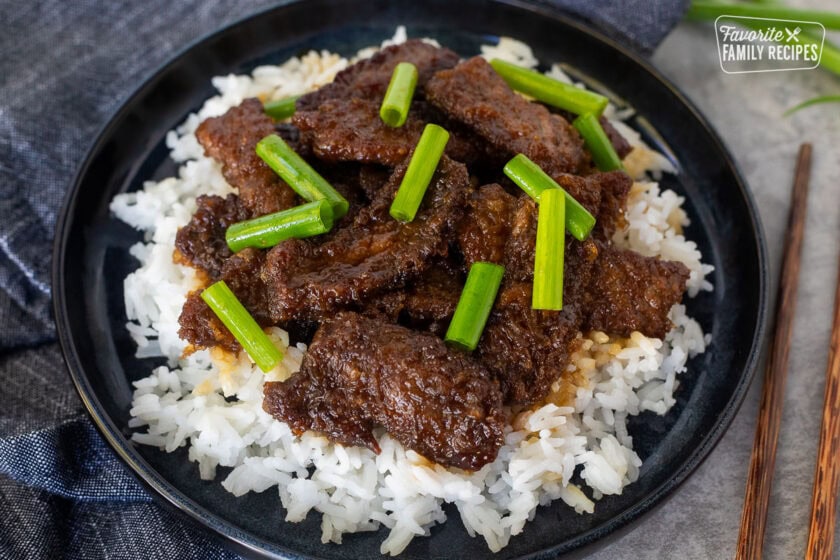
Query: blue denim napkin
[65,68]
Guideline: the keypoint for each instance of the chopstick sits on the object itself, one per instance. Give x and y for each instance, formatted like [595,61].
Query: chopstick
[824,499]
[763,459]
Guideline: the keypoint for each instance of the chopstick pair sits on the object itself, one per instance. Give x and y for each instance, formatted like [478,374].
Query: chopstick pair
[763,459]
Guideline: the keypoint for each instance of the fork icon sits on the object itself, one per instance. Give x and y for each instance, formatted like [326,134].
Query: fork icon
[792,35]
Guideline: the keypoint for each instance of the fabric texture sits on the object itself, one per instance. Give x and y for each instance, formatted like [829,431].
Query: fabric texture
[65,69]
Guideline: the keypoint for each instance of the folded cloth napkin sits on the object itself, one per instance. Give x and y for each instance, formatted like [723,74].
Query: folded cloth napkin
[66,67]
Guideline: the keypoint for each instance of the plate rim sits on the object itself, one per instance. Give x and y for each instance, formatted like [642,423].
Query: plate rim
[166,493]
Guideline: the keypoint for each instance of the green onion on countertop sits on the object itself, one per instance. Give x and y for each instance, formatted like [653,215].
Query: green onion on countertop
[533,180]
[306,220]
[813,101]
[419,174]
[299,175]
[474,305]
[597,142]
[281,109]
[395,105]
[712,9]
[550,249]
[240,323]
[548,90]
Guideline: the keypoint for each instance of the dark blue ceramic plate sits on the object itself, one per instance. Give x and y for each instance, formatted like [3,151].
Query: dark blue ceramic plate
[91,260]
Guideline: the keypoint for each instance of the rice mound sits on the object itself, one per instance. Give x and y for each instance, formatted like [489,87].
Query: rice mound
[581,426]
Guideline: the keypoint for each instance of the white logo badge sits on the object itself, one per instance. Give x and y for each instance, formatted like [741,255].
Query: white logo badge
[747,44]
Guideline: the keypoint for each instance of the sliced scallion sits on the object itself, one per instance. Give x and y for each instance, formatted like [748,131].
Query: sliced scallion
[281,109]
[299,175]
[597,142]
[243,327]
[419,174]
[550,249]
[474,305]
[533,180]
[306,220]
[707,10]
[395,105]
[548,90]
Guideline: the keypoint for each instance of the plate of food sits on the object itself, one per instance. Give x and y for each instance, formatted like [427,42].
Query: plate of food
[415,280]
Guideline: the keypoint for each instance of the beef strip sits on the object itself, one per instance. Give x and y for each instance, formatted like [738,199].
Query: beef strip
[231,139]
[630,292]
[350,130]
[200,327]
[371,179]
[426,304]
[474,95]
[360,373]
[369,78]
[520,244]
[485,227]
[528,349]
[614,187]
[201,243]
[525,349]
[241,272]
[374,254]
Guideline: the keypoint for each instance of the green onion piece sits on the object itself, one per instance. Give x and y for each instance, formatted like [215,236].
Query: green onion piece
[306,220]
[240,323]
[533,180]
[281,109]
[551,244]
[397,99]
[474,305]
[597,142]
[299,175]
[708,10]
[813,101]
[420,170]
[548,90]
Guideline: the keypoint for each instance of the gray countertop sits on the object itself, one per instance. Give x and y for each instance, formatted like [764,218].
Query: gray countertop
[702,518]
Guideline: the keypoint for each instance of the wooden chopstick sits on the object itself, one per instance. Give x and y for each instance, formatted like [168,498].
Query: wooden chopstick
[763,459]
[824,499]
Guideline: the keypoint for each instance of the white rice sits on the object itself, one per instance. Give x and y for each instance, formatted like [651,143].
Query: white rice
[581,426]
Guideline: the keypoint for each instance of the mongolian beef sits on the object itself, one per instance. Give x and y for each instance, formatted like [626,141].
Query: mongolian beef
[374,296]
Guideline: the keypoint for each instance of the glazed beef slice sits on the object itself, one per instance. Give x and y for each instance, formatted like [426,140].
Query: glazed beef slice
[241,272]
[475,96]
[231,139]
[630,292]
[360,373]
[368,79]
[201,243]
[374,254]
[528,349]
[350,129]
